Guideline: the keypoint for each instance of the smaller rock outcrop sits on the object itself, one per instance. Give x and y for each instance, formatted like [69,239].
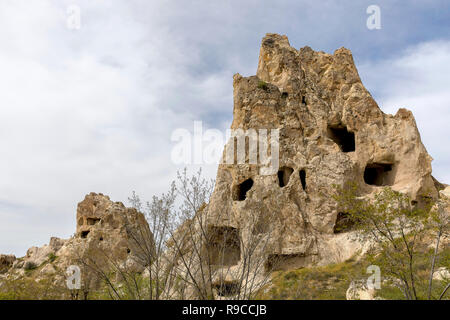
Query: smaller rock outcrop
[111,227]
[106,231]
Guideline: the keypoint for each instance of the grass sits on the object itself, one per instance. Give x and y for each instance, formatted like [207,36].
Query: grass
[314,283]
[331,282]
[51,257]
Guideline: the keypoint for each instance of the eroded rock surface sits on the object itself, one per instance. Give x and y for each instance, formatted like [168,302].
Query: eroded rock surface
[6,262]
[331,132]
[106,232]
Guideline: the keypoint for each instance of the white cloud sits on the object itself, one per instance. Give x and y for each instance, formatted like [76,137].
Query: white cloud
[93,109]
[80,111]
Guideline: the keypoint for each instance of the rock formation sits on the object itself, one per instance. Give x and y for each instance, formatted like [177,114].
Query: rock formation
[106,231]
[112,227]
[6,261]
[331,131]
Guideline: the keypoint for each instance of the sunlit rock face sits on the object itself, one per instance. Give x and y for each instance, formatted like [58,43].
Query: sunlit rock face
[106,232]
[331,131]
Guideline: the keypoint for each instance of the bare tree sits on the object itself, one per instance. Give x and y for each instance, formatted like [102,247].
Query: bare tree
[214,259]
[190,254]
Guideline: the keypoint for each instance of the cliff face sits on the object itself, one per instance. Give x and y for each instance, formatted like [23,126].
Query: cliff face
[331,131]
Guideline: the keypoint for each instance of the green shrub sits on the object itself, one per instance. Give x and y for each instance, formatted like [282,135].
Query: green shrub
[263,85]
[51,257]
[30,265]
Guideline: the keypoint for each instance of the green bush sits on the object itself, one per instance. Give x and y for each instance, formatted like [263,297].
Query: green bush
[51,257]
[263,85]
[30,265]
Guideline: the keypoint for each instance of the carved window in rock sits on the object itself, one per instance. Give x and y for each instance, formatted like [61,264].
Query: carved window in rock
[342,137]
[240,190]
[379,174]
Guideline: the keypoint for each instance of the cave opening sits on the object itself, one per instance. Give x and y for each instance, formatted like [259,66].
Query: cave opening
[84,234]
[379,174]
[240,190]
[342,137]
[223,245]
[283,176]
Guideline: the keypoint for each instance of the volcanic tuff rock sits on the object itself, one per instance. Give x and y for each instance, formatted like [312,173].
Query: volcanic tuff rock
[106,231]
[331,132]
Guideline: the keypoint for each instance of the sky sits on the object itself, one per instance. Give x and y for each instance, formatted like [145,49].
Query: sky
[90,104]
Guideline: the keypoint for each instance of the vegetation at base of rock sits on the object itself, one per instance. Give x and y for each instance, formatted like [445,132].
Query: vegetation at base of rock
[332,282]
[32,289]
[405,237]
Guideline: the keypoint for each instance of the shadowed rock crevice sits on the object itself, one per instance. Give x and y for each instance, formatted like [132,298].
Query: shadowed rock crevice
[276,262]
[283,176]
[92,221]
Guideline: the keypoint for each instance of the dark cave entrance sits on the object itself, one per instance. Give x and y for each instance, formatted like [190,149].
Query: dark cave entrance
[342,137]
[240,191]
[379,174]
